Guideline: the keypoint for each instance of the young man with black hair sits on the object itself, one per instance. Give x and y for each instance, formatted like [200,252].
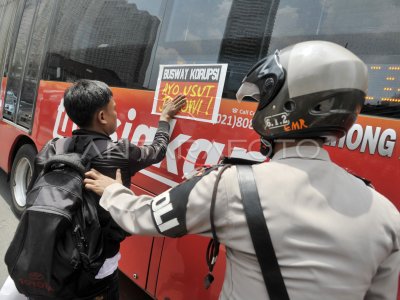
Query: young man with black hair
[91,106]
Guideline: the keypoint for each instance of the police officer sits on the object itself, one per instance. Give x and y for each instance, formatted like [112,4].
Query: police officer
[334,236]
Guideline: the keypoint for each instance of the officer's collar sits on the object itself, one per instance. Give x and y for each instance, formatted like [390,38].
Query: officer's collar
[302,151]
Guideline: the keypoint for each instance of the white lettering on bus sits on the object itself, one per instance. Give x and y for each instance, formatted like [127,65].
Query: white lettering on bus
[160,206]
[387,142]
[371,138]
[60,111]
[355,133]
[213,150]
[171,152]
[128,126]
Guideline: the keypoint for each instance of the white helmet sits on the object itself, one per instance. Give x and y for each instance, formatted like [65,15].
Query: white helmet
[308,90]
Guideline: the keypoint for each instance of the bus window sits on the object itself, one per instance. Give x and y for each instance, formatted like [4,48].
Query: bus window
[33,61]
[17,64]
[111,41]
[222,31]
[7,15]
[368,28]
[9,10]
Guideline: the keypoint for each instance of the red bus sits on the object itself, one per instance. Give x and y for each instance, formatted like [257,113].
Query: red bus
[45,44]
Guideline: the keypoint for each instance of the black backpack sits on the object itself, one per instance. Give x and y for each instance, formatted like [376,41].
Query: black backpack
[57,247]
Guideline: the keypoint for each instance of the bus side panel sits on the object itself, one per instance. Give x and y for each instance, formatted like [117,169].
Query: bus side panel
[9,136]
[138,253]
[154,266]
[183,269]
[135,258]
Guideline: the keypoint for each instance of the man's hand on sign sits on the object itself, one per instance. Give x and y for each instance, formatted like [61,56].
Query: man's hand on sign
[172,106]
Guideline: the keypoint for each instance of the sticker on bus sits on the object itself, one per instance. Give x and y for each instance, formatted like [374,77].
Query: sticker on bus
[202,85]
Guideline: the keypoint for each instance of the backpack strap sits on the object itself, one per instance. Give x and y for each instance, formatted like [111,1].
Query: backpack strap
[260,235]
[71,160]
[214,244]
[89,148]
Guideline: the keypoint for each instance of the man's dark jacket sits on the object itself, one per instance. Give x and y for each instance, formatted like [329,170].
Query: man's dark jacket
[122,155]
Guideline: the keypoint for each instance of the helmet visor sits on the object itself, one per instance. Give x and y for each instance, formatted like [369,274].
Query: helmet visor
[274,78]
[263,82]
[248,89]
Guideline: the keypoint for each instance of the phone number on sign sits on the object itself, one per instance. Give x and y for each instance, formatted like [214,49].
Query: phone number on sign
[234,121]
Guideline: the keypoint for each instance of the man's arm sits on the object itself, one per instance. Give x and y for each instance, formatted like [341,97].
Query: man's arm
[130,212]
[181,210]
[384,285]
[147,155]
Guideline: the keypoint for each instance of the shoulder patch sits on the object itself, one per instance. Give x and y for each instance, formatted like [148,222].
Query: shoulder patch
[169,209]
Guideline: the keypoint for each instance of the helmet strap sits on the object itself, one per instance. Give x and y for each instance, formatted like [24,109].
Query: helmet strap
[267,147]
